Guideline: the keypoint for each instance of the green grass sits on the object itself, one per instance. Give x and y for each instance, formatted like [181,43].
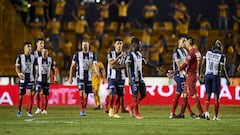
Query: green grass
[66,121]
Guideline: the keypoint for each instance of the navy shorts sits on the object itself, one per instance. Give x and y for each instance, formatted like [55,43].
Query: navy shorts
[41,86]
[84,85]
[212,84]
[23,86]
[116,87]
[180,83]
[138,87]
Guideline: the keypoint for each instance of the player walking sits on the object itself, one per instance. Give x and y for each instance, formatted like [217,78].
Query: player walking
[134,62]
[44,66]
[116,77]
[24,67]
[83,61]
[212,65]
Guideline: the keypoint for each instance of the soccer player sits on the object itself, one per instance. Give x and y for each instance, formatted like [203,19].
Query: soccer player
[179,56]
[44,65]
[24,67]
[134,62]
[96,80]
[212,65]
[191,65]
[37,53]
[83,61]
[116,77]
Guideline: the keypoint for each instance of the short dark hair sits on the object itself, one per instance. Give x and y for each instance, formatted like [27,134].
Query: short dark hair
[135,40]
[191,40]
[27,43]
[117,39]
[40,39]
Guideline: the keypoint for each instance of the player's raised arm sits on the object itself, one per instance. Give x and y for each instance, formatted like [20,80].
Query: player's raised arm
[73,65]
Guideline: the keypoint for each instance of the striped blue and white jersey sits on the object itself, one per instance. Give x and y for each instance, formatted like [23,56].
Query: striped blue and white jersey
[135,60]
[113,73]
[84,62]
[44,68]
[179,55]
[213,62]
[37,54]
[26,64]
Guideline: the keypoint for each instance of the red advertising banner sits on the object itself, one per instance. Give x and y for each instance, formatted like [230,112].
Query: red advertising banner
[156,95]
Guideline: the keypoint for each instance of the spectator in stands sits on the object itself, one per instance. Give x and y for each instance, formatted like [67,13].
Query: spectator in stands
[154,57]
[180,10]
[54,27]
[99,27]
[229,41]
[231,61]
[204,26]
[150,11]
[36,29]
[238,69]
[162,44]
[122,13]
[146,41]
[80,29]
[236,18]
[103,8]
[23,10]
[127,38]
[222,17]
[67,53]
[238,54]
[41,10]
[81,8]
[59,8]
[59,11]
[183,25]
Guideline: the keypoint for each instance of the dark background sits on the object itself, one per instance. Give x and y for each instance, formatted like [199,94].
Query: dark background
[206,7]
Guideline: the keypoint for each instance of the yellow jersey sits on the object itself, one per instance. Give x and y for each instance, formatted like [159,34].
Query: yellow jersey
[60,8]
[122,10]
[223,10]
[54,27]
[39,7]
[238,10]
[183,28]
[104,11]
[179,11]
[80,26]
[204,27]
[150,11]
[101,69]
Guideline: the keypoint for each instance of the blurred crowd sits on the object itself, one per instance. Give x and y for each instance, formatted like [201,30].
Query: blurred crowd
[95,20]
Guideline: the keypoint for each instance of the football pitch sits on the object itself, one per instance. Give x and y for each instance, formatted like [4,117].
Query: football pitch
[65,120]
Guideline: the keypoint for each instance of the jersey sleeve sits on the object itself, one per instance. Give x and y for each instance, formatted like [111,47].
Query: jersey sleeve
[223,60]
[94,58]
[176,55]
[110,57]
[53,64]
[75,58]
[17,62]
[129,58]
